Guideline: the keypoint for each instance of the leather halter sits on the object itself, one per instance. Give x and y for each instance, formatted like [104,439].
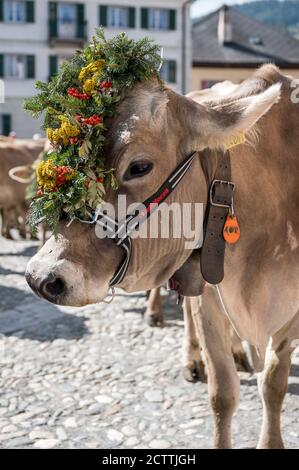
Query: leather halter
[219,203]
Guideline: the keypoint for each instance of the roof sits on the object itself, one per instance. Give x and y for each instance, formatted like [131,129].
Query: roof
[249,42]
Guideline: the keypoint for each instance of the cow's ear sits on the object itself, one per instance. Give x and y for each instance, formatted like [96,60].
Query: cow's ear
[214,123]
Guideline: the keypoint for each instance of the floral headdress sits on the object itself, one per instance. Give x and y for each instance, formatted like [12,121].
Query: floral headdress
[71,179]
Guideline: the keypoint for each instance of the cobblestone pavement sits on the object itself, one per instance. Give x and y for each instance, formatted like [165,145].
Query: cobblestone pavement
[99,377]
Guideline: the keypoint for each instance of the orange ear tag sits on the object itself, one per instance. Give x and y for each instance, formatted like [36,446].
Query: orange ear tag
[231,230]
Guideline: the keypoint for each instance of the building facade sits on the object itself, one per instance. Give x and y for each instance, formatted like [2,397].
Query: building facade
[228,45]
[36,36]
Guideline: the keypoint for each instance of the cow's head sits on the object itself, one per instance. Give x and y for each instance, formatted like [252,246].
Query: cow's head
[154,130]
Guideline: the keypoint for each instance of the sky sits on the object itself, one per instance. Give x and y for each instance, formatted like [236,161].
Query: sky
[203,7]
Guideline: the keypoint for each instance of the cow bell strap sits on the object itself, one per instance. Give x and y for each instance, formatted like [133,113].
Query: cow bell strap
[220,203]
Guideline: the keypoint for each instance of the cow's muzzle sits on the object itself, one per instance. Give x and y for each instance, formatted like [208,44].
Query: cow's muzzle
[51,288]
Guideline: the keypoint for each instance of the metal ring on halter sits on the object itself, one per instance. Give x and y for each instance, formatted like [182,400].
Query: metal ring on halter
[94,217]
[112,295]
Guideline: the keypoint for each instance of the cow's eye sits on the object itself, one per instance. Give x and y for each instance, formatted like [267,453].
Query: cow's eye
[138,169]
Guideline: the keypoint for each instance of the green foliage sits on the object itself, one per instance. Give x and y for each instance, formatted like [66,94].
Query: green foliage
[109,68]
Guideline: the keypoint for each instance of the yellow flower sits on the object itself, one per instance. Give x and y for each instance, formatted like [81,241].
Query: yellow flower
[51,177]
[90,84]
[50,134]
[63,133]
[69,130]
[46,175]
[90,69]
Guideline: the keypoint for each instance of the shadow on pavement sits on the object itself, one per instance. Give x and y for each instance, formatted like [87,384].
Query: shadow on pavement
[6,272]
[171,311]
[294,370]
[27,251]
[11,297]
[24,315]
[293,389]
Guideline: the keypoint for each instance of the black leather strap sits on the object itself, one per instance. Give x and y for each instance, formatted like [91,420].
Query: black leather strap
[219,203]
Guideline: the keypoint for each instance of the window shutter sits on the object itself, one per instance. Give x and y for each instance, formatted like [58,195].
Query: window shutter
[131,22]
[80,20]
[30,66]
[103,15]
[53,65]
[30,12]
[6,124]
[144,18]
[1,10]
[53,19]
[172,71]
[172,20]
[1,66]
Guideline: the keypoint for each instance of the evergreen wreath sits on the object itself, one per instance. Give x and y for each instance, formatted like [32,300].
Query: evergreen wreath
[71,180]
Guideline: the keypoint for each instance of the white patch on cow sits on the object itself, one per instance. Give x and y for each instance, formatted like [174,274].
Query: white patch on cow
[125,136]
[276,253]
[291,237]
[125,132]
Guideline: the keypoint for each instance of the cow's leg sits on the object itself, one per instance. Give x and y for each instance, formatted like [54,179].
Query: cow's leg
[273,383]
[2,221]
[193,364]
[21,220]
[6,223]
[213,329]
[154,311]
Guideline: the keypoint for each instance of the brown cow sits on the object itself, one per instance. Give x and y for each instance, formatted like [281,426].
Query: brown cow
[259,292]
[13,194]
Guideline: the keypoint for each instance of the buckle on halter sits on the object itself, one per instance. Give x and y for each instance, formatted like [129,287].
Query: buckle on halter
[212,194]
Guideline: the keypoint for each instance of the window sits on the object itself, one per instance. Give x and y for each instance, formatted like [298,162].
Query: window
[117,16]
[158,19]
[256,41]
[67,20]
[17,11]
[14,11]
[19,66]
[168,71]
[14,66]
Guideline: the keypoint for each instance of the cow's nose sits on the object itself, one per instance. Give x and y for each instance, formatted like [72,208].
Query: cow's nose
[50,288]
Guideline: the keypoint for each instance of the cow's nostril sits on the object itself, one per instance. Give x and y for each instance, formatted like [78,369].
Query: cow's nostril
[54,288]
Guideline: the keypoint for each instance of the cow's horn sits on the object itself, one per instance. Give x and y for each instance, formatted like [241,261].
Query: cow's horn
[12,174]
